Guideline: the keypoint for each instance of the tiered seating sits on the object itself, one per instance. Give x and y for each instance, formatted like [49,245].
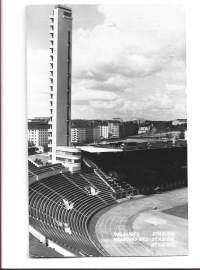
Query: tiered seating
[48,212]
[44,169]
[38,173]
[122,189]
[105,178]
[93,179]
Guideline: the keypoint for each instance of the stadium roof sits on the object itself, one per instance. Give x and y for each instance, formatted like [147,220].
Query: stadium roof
[93,149]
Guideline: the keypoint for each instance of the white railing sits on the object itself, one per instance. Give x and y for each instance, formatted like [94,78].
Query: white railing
[98,172]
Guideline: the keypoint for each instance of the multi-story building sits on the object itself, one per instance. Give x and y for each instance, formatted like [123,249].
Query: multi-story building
[70,157]
[60,79]
[78,135]
[113,129]
[96,133]
[144,129]
[38,133]
[103,130]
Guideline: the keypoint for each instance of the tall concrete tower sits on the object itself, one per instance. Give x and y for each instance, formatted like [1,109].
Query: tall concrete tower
[60,79]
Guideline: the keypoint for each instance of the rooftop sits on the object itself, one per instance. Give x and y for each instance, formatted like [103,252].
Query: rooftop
[67,148]
[63,7]
[37,125]
[93,149]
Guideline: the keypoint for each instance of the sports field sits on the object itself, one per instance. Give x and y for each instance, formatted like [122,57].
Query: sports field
[145,226]
[179,211]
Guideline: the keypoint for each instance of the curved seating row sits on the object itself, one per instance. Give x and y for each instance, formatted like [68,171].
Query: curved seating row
[44,169]
[48,214]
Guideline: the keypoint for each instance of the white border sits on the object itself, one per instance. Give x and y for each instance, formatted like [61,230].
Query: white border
[14,159]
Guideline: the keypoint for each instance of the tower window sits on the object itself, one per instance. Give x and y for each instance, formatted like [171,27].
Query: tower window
[69,36]
[68,14]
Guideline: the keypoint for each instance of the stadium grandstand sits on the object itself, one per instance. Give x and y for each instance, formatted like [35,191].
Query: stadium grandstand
[50,217]
[63,205]
[92,191]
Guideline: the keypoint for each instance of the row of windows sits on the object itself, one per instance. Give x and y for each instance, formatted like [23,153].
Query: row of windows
[67,14]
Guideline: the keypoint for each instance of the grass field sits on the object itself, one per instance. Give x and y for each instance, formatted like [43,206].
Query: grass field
[179,211]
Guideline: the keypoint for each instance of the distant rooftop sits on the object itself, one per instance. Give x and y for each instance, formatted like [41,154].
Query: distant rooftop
[93,149]
[63,7]
[181,120]
[39,119]
[37,125]
[67,148]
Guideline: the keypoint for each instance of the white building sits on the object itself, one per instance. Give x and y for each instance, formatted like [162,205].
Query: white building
[60,36]
[143,130]
[103,131]
[70,157]
[38,133]
[78,135]
[113,129]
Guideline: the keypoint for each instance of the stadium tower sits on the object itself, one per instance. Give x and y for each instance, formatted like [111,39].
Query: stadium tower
[60,79]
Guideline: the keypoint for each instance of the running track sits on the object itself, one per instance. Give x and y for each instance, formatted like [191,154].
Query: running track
[136,228]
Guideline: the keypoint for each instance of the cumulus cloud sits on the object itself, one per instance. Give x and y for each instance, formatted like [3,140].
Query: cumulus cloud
[138,52]
[175,87]
[89,94]
[142,42]
[131,65]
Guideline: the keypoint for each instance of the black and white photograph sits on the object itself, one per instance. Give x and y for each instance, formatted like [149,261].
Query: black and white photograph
[106,130]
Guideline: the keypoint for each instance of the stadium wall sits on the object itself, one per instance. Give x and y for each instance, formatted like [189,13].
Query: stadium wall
[51,244]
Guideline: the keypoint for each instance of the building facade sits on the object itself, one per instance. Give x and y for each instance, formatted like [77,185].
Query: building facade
[70,157]
[96,134]
[144,129]
[113,129]
[78,135]
[103,130]
[38,133]
[60,79]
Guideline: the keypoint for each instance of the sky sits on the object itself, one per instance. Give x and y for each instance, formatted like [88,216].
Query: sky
[128,61]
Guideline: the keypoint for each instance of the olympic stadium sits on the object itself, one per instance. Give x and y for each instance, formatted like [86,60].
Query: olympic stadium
[98,213]
[109,199]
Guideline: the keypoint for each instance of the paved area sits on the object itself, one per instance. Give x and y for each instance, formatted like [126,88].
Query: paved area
[140,228]
[42,156]
[39,250]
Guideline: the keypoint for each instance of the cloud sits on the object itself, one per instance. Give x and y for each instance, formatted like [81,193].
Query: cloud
[141,44]
[130,64]
[175,87]
[89,94]
[138,52]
